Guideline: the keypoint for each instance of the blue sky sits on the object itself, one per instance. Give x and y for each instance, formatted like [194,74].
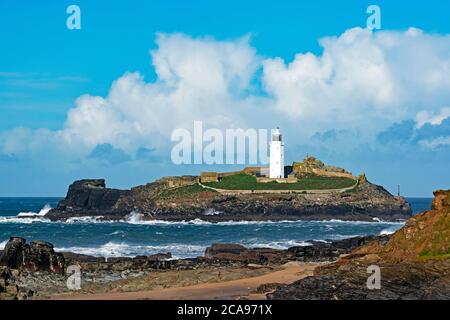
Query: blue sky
[45,68]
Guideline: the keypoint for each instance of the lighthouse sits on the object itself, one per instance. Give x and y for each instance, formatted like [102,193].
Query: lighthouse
[276,156]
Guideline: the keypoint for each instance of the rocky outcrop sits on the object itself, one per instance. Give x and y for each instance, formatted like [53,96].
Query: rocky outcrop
[36,256]
[404,281]
[19,259]
[414,264]
[90,197]
[219,249]
[315,251]
[181,198]
[330,250]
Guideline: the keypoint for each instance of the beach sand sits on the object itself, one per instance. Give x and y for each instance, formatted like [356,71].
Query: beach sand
[228,290]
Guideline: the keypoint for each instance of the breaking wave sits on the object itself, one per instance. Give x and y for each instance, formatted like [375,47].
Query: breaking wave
[115,249]
[28,217]
[280,244]
[389,231]
[178,250]
[41,213]
[3,244]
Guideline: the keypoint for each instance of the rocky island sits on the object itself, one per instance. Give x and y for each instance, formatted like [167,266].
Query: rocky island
[310,191]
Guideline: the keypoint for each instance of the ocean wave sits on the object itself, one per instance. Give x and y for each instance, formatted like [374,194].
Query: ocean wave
[373,222]
[15,219]
[279,244]
[28,217]
[86,219]
[389,231]
[136,218]
[122,249]
[178,250]
[41,213]
[3,244]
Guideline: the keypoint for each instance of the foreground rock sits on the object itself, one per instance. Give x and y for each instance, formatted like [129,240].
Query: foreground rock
[414,264]
[36,256]
[182,198]
[19,258]
[35,269]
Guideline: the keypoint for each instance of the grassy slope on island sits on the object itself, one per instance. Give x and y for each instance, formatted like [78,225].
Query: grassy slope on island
[244,181]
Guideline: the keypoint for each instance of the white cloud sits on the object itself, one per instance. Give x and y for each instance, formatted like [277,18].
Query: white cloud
[197,79]
[363,82]
[435,143]
[434,119]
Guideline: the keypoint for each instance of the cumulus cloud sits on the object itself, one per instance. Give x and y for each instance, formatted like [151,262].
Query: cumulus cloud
[425,117]
[360,85]
[363,80]
[197,79]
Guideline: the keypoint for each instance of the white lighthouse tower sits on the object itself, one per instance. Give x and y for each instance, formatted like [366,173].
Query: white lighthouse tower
[276,156]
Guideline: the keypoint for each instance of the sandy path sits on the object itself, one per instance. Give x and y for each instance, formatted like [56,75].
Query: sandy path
[228,290]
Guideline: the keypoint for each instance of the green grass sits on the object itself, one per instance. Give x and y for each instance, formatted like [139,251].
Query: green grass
[244,181]
[434,255]
[183,191]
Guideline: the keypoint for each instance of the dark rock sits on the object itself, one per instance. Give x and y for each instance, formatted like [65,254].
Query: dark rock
[403,281]
[237,252]
[37,256]
[326,251]
[316,251]
[72,258]
[159,256]
[13,254]
[9,290]
[268,287]
[223,248]
[89,197]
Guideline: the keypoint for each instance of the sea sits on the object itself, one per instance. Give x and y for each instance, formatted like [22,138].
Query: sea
[25,217]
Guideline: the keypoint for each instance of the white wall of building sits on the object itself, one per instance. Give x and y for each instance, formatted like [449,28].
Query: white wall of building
[276,156]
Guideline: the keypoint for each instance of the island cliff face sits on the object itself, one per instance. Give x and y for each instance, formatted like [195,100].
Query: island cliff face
[183,198]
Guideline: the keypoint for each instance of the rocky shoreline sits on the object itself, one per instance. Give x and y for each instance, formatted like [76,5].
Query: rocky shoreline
[182,199]
[414,264]
[35,270]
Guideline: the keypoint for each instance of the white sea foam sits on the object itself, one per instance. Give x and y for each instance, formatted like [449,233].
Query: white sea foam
[178,250]
[28,217]
[87,219]
[389,230]
[279,244]
[138,219]
[211,212]
[115,249]
[41,213]
[374,222]
[15,219]
[135,218]
[3,244]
